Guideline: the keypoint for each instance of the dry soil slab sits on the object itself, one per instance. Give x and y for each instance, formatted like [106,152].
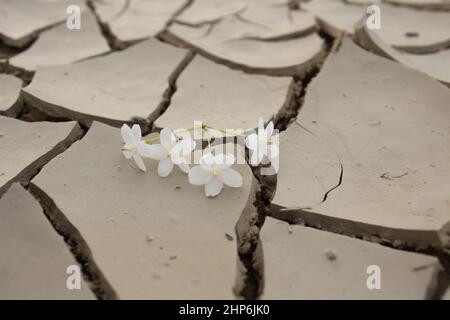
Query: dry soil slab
[151,237]
[25,147]
[34,257]
[9,94]
[304,263]
[265,20]
[433,64]
[23,19]
[209,11]
[399,26]
[368,148]
[60,45]
[223,98]
[245,41]
[335,16]
[139,19]
[114,89]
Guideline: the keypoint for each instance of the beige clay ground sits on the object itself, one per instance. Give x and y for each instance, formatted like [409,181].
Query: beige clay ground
[364,172]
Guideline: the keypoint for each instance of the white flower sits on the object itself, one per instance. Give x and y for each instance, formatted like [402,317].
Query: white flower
[134,146]
[262,144]
[171,152]
[214,172]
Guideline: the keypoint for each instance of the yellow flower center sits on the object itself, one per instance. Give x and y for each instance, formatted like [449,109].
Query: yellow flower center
[215,172]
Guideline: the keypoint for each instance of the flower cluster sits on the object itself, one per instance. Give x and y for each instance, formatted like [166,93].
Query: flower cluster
[213,170]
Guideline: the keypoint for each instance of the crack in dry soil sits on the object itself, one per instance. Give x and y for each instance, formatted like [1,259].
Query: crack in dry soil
[25,75]
[431,243]
[25,176]
[171,89]
[341,176]
[440,281]
[78,246]
[112,40]
[250,278]
[422,241]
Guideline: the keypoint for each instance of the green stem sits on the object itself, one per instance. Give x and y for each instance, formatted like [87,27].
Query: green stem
[224,131]
[149,141]
[204,128]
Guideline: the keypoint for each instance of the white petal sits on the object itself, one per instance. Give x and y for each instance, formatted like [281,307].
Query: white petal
[261,123]
[127,154]
[136,133]
[207,161]
[213,187]
[251,141]
[165,167]
[262,134]
[181,150]
[262,151]
[231,178]
[187,145]
[272,151]
[184,167]
[167,138]
[224,160]
[255,160]
[154,151]
[269,129]
[198,176]
[139,162]
[126,135]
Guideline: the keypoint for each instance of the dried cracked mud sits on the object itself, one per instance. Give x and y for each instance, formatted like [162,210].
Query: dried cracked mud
[364,179]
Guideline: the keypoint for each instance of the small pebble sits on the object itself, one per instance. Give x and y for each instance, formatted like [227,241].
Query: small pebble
[229,237]
[148,238]
[331,254]
[411,34]
[172,257]
[177,187]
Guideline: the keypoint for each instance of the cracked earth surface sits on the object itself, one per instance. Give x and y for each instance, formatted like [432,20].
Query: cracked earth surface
[364,177]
